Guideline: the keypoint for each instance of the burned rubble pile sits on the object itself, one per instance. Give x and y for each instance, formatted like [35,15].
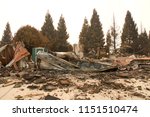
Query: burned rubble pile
[45,84]
[62,76]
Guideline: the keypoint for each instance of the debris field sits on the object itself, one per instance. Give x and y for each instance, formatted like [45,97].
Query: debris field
[63,76]
[74,85]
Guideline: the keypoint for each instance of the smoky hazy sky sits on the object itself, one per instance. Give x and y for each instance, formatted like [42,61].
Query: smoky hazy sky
[32,12]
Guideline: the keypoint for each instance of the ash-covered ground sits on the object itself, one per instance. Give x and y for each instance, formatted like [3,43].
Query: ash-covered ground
[74,85]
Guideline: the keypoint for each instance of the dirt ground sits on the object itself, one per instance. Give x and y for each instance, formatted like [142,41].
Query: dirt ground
[75,85]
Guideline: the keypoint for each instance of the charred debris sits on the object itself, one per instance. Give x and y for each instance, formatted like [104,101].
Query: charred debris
[50,71]
[19,58]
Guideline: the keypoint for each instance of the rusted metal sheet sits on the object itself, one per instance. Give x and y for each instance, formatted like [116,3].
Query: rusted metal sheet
[19,53]
[132,62]
[123,61]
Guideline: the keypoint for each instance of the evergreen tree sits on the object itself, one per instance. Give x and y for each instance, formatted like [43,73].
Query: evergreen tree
[83,37]
[108,42]
[129,38]
[7,36]
[143,44]
[48,29]
[62,36]
[96,36]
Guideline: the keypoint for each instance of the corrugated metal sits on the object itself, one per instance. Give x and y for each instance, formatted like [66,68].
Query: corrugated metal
[19,53]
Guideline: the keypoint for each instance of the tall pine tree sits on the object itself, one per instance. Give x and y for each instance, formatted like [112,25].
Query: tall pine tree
[61,42]
[7,35]
[129,38]
[96,36]
[48,29]
[83,37]
[108,42]
[143,44]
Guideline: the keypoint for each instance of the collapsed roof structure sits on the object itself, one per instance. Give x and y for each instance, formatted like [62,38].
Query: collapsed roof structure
[10,55]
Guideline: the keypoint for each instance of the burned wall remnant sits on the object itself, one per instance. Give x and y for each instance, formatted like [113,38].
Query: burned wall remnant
[6,54]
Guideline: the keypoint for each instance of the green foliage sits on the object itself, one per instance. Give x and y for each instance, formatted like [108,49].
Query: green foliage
[31,37]
[108,42]
[129,36]
[92,37]
[7,36]
[143,44]
[83,37]
[96,36]
[61,43]
[48,29]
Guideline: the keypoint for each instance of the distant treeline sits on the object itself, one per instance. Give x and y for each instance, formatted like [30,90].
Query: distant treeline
[91,37]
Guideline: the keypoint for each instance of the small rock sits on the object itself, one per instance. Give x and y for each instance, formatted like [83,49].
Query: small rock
[33,87]
[127,81]
[66,91]
[26,76]
[139,95]
[119,97]
[19,97]
[22,89]
[147,88]
[125,95]
[40,80]
[48,87]
[139,87]
[18,84]
[64,82]
[49,97]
